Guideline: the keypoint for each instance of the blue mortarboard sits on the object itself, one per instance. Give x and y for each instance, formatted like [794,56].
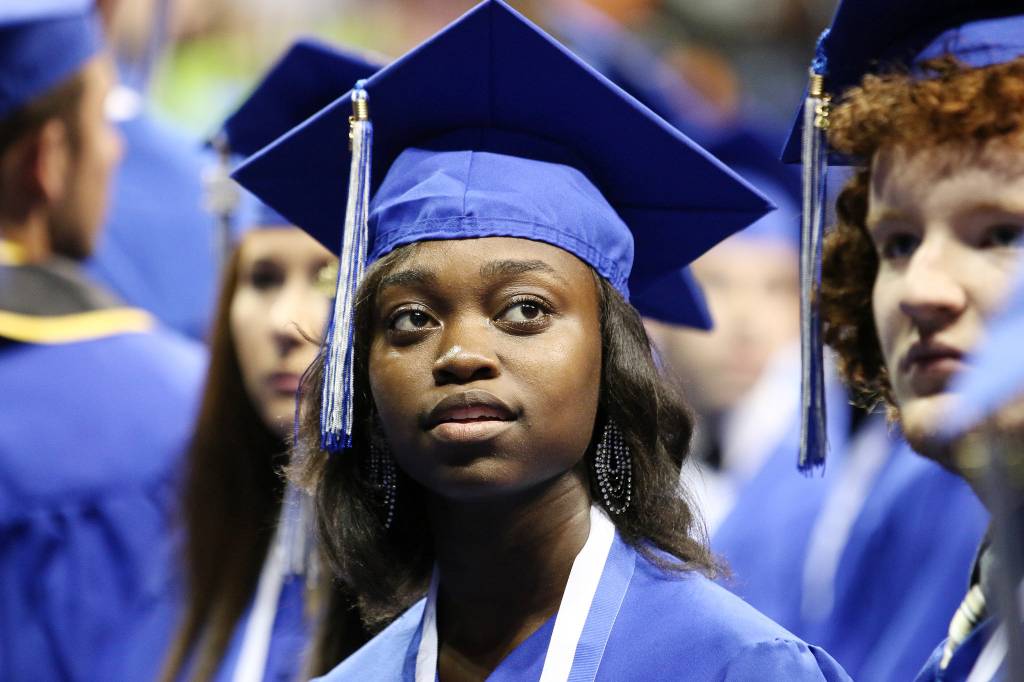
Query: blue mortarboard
[42,43]
[492,128]
[873,36]
[308,77]
[995,375]
[746,150]
[877,36]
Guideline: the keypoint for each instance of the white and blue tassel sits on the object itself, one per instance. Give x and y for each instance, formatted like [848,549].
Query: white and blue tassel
[336,416]
[813,434]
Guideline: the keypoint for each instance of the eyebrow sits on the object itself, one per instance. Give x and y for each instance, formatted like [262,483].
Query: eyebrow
[991,206]
[884,216]
[512,268]
[408,278]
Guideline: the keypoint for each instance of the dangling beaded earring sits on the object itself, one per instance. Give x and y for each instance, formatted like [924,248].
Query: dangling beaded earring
[383,477]
[613,468]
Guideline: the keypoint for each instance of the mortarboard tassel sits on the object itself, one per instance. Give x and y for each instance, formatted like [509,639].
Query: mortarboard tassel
[336,417]
[813,435]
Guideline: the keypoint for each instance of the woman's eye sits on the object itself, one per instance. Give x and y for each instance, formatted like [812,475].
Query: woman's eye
[899,245]
[265,278]
[411,321]
[1005,235]
[523,312]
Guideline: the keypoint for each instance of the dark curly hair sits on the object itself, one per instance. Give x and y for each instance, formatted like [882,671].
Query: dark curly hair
[389,569]
[949,104]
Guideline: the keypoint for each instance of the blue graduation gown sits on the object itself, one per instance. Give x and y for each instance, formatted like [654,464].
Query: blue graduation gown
[964,659]
[94,424]
[288,638]
[764,538]
[159,248]
[140,654]
[643,624]
[901,570]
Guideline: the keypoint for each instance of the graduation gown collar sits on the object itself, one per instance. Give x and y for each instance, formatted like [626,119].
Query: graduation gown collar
[54,302]
[585,615]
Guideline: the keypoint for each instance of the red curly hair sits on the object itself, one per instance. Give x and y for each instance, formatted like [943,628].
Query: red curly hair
[952,104]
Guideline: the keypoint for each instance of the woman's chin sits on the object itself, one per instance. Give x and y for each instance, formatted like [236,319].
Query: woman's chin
[922,419]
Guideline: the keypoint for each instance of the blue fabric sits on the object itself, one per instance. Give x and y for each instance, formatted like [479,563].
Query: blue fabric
[744,148]
[90,450]
[995,375]
[30,30]
[766,552]
[267,217]
[309,76]
[873,36]
[666,627]
[494,70]
[901,573]
[288,638]
[980,43]
[159,248]
[139,654]
[964,658]
[459,186]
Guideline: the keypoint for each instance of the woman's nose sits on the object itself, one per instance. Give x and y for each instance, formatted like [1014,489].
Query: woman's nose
[467,356]
[932,295]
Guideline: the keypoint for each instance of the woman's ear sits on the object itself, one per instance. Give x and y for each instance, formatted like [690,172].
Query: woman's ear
[49,159]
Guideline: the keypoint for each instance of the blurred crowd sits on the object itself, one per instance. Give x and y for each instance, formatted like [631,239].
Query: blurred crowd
[200,561]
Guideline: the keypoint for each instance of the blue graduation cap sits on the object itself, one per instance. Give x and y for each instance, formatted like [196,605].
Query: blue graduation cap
[42,43]
[492,128]
[873,36]
[995,375]
[744,150]
[308,77]
[876,36]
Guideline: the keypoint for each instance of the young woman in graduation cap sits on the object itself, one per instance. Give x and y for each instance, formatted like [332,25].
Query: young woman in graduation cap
[494,455]
[930,110]
[249,580]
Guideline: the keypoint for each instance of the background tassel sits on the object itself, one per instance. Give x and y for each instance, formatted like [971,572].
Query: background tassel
[336,416]
[294,534]
[813,435]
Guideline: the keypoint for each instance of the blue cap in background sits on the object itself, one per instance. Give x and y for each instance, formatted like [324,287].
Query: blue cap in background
[42,44]
[309,76]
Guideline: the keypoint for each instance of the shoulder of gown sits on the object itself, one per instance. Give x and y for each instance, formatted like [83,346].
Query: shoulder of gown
[390,655]
[89,457]
[683,624]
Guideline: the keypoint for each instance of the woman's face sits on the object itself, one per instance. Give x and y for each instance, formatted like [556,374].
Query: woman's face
[946,224]
[752,291]
[279,299]
[485,364]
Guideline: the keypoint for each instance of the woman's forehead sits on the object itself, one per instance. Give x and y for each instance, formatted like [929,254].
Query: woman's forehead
[950,173]
[282,243]
[492,258]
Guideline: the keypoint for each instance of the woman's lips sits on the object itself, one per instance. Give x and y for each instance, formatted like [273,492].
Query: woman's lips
[284,382]
[470,431]
[928,367]
[471,416]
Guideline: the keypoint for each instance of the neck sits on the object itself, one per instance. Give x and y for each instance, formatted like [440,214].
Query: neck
[504,565]
[29,240]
